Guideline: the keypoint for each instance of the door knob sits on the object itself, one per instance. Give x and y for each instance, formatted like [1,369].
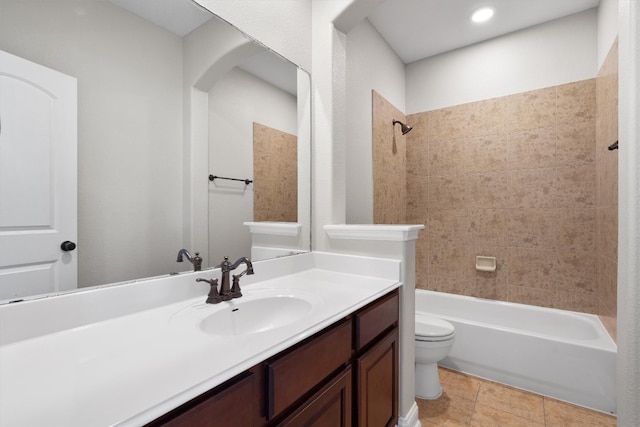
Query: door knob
[67,246]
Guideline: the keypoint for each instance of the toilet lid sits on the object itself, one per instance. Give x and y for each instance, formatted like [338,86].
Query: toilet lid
[432,327]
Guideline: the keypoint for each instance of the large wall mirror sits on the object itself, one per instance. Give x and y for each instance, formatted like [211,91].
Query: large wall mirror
[167,94]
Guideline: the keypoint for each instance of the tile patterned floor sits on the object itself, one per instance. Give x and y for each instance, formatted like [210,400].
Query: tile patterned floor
[474,402]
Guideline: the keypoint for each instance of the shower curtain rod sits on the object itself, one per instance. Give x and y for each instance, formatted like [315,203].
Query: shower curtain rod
[246,181]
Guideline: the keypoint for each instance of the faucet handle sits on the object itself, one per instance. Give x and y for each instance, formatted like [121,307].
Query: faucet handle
[213,297]
[235,287]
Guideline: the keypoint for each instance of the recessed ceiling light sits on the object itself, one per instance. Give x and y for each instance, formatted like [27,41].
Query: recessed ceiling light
[482,14]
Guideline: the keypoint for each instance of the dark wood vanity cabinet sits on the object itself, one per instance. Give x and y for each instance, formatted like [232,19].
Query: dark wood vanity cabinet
[345,375]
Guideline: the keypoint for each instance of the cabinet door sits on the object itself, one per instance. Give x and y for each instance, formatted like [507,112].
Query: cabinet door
[232,405]
[377,383]
[329,407]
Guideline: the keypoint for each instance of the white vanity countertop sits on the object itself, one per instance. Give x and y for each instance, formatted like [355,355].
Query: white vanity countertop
[130,369]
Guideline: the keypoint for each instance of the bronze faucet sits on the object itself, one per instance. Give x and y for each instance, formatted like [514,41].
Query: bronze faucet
[196,260]
[227,291]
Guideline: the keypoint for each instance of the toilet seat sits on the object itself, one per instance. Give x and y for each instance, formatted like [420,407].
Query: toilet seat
[429,328]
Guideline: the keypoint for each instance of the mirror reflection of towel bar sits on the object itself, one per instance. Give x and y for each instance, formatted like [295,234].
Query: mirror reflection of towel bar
[246,181]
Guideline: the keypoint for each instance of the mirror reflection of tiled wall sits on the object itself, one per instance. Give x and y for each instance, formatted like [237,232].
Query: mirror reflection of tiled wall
[521,178]
[275,174]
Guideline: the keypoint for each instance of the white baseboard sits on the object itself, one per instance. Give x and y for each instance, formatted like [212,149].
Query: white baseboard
[411,418]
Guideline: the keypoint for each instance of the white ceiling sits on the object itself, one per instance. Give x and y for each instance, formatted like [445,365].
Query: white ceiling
[418,29]
[178,16]
[415,29]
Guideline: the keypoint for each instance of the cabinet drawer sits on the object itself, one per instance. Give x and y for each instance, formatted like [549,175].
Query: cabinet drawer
[292,375]
[233,403]
[375,319]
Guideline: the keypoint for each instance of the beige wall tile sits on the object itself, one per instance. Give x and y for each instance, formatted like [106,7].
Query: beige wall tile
[530,296]
[571,300]
[576,186]
[389,163]
[450,284]
[486,153]
[448,226]
[487,190]
[532,228]
[530,110]
[532,188]
[607,286]
[417,216]
[446,192]
[577,271]
[417,157]
[453,260]
[487,226]
[576,144]
[576,102]
[532,268]
[607,232]
[417,193]
[446,157]
[532,148]
[576,229]
[607,178]
[421,125]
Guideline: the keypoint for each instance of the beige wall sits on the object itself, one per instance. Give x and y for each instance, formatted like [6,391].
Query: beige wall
[607,184]
[275,172]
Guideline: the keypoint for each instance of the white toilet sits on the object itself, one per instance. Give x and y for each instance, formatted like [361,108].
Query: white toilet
[434,339]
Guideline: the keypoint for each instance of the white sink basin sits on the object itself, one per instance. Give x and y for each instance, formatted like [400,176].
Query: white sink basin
[249,317]
[258,311]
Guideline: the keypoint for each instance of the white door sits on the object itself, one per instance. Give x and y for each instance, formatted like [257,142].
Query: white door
[38,173]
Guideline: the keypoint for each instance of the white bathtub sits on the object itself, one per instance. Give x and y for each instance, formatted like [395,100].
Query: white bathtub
[561,354]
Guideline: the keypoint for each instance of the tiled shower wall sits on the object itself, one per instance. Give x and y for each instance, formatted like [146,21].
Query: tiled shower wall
[389,163]
[520,178]
[512,178]
[275,174]
[607,185]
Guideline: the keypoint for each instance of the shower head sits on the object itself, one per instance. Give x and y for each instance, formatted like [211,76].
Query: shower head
[405,128]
